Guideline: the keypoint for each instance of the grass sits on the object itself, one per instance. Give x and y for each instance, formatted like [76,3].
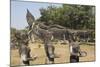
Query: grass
[61,50]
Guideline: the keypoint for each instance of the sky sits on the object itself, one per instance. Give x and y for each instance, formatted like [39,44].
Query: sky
[19,10]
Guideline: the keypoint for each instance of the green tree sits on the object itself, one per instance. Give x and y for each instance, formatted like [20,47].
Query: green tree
[71,16]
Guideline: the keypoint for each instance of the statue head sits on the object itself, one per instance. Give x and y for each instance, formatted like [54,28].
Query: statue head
[30,19]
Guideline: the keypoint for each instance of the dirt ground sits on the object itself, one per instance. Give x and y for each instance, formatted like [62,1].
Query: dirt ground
[61,50]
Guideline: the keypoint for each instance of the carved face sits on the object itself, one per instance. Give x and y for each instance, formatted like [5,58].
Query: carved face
[35,26]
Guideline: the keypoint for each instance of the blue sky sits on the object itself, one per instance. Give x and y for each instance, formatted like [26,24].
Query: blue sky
[19,10]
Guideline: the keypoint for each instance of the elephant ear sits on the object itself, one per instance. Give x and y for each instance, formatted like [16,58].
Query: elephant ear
[30,18]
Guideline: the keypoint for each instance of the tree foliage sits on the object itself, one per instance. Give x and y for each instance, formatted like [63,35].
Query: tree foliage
[70,16]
